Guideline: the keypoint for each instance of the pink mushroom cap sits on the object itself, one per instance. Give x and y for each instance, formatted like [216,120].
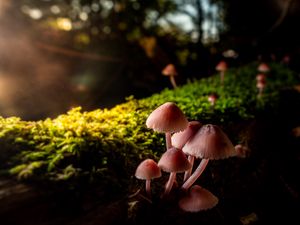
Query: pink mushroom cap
[222,66]
[260,77]
[212,98]
[198,199]
[261,84]
[167,118]
[174,160]
[210,142]
[263,67]
[179,139]
[169,70]
[147,170]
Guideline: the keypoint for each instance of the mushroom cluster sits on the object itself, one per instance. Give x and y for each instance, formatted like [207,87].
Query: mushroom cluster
[185,142]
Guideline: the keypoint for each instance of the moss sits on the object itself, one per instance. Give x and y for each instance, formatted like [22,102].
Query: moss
[107,145]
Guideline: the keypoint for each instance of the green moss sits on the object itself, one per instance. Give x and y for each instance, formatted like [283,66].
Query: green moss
[107,145]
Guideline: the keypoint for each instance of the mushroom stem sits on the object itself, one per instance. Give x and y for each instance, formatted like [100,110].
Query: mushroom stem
[173,82]
[168,140]
[187,173]
[170,183]
[195,175]
[148,187]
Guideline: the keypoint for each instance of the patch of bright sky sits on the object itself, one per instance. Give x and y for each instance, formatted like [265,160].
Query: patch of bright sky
[180,19]
[185,22]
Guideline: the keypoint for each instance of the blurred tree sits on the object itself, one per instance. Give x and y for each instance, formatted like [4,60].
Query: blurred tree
[131,41]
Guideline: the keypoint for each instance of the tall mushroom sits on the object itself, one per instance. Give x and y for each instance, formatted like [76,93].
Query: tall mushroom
[198,199]
[210,142]
[173,161]
[167,118]
[222,67]
[180,139]
[170,72]
[147,170]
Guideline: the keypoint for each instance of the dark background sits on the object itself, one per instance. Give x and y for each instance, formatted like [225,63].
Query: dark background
[118,48]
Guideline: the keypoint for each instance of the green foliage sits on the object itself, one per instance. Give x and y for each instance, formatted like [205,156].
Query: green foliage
[107,145]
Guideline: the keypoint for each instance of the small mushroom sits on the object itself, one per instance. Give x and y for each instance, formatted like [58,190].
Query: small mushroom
[173,161]
[212,99]
[286,59]
[222,67]
[260,83]
[170,72]
[260,77]
[242,151]
[198,199]
[263,68]
[147,170]
[167,118]
[210,142]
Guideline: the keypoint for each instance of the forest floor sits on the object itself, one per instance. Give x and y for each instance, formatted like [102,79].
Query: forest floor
[262,188]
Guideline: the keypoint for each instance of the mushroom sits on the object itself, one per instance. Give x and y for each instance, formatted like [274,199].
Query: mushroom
[167,118]
[180,139]
[210,142]
[212,99]
[260,77]
[261,83]
[242,151]
[173,161]
[198,199]
[263,68]
[222,67]
[286,59]
[147,170]
[170,72]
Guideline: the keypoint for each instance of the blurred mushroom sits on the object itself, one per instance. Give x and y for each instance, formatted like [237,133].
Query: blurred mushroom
[263,68]
[198,199]
[180,139]
[210,142]
[170,72]
[260,77]
[222,67]
[260,83]
[173,161]
[230,53]
[286,60]
[147,170]
[212,99]
[242,151]
[273,56]
[260,86]
[296,131]
[167,118]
